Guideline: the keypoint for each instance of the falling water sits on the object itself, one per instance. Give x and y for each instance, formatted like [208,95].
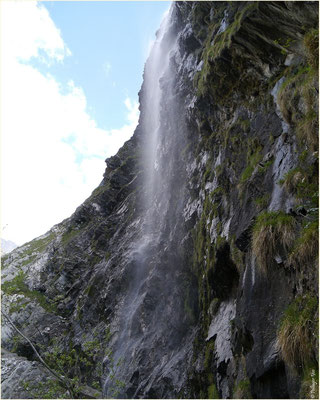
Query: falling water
[156,68]
[157,74]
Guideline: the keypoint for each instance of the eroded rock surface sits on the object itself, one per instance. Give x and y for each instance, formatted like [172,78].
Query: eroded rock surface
[155,280]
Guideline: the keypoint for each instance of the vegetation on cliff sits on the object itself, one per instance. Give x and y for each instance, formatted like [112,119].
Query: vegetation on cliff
[221,298]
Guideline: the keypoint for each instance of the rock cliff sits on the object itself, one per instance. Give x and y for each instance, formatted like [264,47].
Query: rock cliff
[191,270]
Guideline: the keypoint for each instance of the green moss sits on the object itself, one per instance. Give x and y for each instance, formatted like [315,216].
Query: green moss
[28,260]
[263,168]
[303,156]
[224,39]
[41,244]
[17,286]
[4,259]
[253,158]
[273,219]
[213,392]
[209,172]
[199,19]
[246,174]
[242,390]
[69,235]
[209,355]
[284,44]
[204,257]
[237,255]
[18,305]
[263,201]
[297,331]
[245,124]
[33,248]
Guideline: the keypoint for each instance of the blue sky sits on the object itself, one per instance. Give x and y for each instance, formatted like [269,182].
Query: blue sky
[109,42]
[70,76]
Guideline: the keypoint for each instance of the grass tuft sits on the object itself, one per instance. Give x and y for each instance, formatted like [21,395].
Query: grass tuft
[296,336]
[306,247]
[311,43]
[271,232]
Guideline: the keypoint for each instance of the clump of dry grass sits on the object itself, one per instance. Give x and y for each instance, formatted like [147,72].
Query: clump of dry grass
[308,126]
[297,332]
[298,102]
[292,179]
[290,93]
[271,231]
[311,43]
[305,251]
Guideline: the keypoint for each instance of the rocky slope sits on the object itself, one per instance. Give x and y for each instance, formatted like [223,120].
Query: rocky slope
[191,271]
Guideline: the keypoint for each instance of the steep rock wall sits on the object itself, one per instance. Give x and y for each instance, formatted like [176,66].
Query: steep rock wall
[196,293]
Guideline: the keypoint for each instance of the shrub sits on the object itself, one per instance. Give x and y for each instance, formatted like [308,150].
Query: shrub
[272,231]
[296,336]
[50,389]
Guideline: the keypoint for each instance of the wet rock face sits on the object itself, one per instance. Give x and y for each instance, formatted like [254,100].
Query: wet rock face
[155,279]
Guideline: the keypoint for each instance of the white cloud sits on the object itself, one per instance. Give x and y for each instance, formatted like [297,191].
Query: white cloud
[107,68]
[52,150]
[21,23]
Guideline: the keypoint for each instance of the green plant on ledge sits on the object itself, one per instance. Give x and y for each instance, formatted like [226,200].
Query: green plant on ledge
[305,250]
[17,285]
[271,230]
[297,334]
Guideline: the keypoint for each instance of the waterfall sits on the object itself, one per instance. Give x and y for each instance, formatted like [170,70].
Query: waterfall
[157,91]
[157,68]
